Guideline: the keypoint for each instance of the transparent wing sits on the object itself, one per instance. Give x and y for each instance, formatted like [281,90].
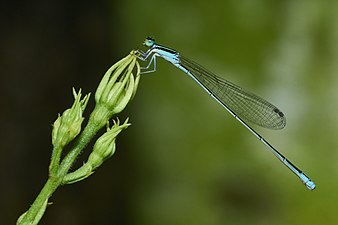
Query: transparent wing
[244,104]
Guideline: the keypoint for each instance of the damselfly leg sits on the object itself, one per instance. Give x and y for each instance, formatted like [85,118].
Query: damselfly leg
[144,57]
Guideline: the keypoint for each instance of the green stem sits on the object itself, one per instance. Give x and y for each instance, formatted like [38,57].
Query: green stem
[54,164]
[114,92]
[30,217]
[95,123]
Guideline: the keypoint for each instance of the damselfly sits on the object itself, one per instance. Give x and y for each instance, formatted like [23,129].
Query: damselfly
[240,103]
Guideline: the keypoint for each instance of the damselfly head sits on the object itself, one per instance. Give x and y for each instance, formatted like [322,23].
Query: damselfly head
[149,42]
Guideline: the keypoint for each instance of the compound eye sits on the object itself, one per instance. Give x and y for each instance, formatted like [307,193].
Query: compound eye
[149,42]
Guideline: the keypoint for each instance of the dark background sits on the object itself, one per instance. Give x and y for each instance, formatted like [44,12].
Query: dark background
[184,160]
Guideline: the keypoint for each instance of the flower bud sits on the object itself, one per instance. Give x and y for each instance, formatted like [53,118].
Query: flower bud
[68,126]
[116,88]
[104,147]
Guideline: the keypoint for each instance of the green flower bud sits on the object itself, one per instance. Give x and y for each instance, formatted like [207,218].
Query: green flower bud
[68,126]
[104,147]
[116,88]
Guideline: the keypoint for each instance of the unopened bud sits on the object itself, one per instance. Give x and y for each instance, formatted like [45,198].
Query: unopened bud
[104,147]
[68,125]
[116,88]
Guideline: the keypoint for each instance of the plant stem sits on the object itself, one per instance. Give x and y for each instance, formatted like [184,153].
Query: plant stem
[55,180]
[113,94]
[54,164]
[51,185]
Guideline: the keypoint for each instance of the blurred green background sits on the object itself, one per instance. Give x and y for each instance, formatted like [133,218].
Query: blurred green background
[184,160]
